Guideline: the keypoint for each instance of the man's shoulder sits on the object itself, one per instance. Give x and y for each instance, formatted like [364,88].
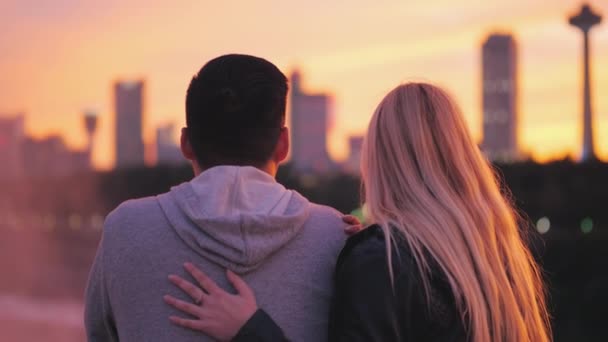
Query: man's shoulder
[323,211]
[326,222]
[131,212]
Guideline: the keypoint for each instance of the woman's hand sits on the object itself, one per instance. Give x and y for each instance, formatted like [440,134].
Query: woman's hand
[354,225]
[218,313]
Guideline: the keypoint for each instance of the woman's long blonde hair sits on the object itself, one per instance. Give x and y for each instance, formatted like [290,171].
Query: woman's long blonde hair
[424,176]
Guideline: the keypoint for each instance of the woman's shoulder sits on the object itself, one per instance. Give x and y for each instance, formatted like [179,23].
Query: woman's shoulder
[369,247]
[369,241]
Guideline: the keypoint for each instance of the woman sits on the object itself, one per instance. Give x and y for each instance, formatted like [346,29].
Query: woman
[445,259]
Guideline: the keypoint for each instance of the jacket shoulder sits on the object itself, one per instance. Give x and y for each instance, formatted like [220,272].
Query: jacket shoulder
[368,249]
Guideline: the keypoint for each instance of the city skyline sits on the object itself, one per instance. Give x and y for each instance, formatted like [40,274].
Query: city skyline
[357,52]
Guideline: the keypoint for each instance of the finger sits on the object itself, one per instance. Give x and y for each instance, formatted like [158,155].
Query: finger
[187,323]
[186,307]
[186,286]
[352,230]
[207,283]
[350,219]
[239,284]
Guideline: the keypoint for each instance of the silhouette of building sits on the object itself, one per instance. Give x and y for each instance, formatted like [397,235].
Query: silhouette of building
[353,163]
[500,117]
[90,125]
[129,108]
[167,151]
[11,139]
[584,21]
[49,157]
[309,122]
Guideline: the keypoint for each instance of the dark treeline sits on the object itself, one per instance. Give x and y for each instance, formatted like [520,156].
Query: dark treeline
[575,260]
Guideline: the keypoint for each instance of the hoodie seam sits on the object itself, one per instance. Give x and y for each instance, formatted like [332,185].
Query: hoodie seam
[236,184]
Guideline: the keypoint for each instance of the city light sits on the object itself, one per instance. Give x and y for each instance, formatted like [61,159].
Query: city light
[586,225]
[543,225]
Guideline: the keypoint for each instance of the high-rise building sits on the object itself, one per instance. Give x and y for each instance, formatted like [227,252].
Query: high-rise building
[309,123]
[584,21]
[167,151]
[353,163]
[129,106]
[500,117]
[11,141]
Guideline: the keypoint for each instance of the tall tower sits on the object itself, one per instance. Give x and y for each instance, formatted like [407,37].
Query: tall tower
[309,125]
[584,21]
[90,125]
[500,117]
[129,124]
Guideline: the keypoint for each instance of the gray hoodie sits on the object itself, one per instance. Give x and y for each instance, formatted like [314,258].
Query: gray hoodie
[227,217]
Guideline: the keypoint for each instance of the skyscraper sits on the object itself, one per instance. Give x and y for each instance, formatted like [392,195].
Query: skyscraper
[500,117]
[309,116]
[11,141]
[129,124]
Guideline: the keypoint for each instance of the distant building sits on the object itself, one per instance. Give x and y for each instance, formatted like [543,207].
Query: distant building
[167,151]
[309,125]
[129,108]
[90,126]
[11,139]
[353,163]
[585,21]
[50,158]
[500,117]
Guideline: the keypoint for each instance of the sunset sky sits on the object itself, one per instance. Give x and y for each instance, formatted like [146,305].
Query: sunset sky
[60,57]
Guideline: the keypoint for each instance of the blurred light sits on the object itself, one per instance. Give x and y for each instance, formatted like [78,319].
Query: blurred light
[97,222]
[74,221]
[48,222]
[543,225]
[586,225]
[308,181]
[35,221]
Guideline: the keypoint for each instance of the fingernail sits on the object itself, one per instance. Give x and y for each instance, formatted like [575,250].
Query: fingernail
[187,265]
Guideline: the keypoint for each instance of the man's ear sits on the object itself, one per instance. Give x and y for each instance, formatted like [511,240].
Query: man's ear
[185,146]
[282,149]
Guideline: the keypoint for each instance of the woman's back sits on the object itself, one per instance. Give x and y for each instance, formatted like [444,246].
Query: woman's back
[365,307]
[424,176]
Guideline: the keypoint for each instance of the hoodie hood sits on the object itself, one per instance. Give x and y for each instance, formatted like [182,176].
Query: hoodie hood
[235,216]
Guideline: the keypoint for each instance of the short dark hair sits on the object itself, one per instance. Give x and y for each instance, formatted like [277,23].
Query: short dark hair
[235,110]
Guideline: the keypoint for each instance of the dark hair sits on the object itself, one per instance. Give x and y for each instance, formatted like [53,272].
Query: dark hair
[235,109]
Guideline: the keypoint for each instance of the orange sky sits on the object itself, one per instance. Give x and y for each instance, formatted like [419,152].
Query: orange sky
[60,57]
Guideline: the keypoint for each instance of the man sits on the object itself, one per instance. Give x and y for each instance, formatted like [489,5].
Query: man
[232,215]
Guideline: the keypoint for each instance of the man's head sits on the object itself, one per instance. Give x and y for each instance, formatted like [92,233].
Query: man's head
[235,114]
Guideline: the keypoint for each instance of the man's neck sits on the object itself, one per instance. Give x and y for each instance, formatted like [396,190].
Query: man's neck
[270,168]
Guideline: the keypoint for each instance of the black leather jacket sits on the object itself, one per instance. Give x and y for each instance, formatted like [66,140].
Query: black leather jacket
[366,308]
